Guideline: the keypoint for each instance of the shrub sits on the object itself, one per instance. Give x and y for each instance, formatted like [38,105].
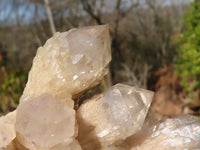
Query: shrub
[188,61]
[11,87]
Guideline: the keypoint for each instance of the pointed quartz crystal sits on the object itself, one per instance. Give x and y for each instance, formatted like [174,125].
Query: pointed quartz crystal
[112,116]
[7,130]
[44,122]
[72,61]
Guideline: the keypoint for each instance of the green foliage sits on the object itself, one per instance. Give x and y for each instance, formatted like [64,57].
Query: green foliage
[11,88]
[188,62]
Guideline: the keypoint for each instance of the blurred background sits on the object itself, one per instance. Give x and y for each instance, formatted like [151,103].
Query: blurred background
[155,45]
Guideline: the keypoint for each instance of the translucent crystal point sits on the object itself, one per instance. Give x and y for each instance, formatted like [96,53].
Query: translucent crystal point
[112,116]
[44,122]
[71,61]
[123,104]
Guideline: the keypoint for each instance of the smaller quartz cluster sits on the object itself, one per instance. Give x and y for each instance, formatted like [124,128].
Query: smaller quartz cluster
[112,116]
[69,64]
[180,133]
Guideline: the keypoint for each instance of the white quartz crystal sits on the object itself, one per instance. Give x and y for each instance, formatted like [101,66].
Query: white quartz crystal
[174,134]
[44,122]
[7,129]
[112,116]
[72,61]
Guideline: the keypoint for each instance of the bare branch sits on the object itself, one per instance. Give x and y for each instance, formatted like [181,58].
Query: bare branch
[117,18]
[128,10]
[100,8]
[38,21]
[137,79]
[50,16]
[89,9]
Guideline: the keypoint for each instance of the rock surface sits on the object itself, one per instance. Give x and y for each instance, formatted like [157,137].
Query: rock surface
[72,145]
[7,129]
[112,116]
[44,122]
[72,61]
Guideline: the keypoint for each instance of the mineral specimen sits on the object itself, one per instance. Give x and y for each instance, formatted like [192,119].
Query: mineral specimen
[72,61]
[112,116]
[7,129]
[174,134]
[44,121]
[66,66]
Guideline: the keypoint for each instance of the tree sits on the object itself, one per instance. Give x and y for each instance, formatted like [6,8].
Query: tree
[188,62]
[141,31]
[150,42]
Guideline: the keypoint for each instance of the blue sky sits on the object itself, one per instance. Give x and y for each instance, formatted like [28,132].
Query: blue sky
[26,11]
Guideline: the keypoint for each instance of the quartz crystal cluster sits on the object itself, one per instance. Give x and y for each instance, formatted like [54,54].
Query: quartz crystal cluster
[69,64]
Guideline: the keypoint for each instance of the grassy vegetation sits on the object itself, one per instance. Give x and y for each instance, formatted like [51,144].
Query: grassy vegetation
[11,87]
[188,63]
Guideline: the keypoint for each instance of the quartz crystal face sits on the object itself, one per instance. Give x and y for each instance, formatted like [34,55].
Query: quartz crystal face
[112,116]
[174,134]
[44,121]
[71,61]
[7,129]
